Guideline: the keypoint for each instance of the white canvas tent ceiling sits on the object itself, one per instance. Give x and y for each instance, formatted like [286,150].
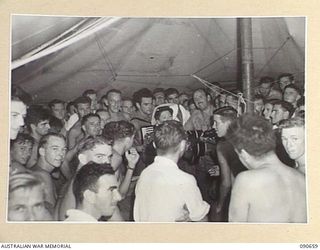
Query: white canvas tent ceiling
[130,53]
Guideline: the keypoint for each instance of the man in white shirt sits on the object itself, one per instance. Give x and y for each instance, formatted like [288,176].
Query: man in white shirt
[164,193]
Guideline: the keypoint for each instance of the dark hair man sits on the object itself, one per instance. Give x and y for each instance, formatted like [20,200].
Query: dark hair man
[172,95]
[183,98]
[52,150]
[163,178]
[104,117]
[267,90]
[20,152]
[281,110]
[268,107]
[191,106]
[90,125]
[71,108]
[91,93]
[127,107]
[38,123]
[142,99]
[269,191]
[230,165]
[258,104]
[158,96]
[58,109]
[96,192]
[83,105]
[285,79]
[112,101]
[292,94]
[97,150]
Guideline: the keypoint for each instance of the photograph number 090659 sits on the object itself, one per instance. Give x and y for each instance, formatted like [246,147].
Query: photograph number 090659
[157,120]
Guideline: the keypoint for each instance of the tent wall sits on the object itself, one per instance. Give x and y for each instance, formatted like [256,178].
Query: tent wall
[151,52]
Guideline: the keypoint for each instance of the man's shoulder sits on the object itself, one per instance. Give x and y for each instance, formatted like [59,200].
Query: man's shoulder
[115,117]
[165,174]
[255,178]
[78,215]
[195,114]
[75,128]
[44,175]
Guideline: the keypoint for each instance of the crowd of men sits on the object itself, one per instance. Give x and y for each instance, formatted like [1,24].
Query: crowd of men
[160,156]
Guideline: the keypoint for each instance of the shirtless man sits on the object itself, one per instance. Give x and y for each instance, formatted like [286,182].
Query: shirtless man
[93,97]
[90,125]
[293,139]
[38,123]
[113,101]
[269,191]
[267,90]
[52,150]
[127,107]
[229,163]
[104,117]
[83,105]
[200,118]
[20,153]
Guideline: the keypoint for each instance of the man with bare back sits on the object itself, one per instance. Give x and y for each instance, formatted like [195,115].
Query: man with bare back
[269,191]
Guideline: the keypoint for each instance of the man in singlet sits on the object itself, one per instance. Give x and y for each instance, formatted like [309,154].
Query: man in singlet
[112,101]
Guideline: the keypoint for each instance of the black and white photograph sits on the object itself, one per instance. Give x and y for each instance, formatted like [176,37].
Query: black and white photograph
[157,119]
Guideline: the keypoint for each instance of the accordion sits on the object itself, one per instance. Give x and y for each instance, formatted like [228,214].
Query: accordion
[196,146]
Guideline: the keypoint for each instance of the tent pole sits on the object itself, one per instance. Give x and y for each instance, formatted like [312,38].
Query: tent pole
[247,61]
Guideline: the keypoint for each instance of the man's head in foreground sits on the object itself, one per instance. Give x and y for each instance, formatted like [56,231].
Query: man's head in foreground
[26,199]
[96,190]
[170,139]
[293,138]
[253,139]
[222,118]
